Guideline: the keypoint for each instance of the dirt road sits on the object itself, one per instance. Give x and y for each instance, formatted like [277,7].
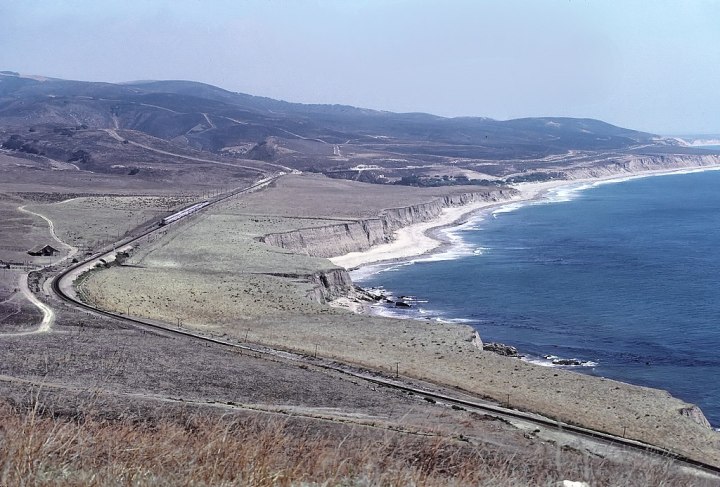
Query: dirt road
[48,314]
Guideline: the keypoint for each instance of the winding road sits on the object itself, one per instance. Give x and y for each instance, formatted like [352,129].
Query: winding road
[70,249]
[48,314]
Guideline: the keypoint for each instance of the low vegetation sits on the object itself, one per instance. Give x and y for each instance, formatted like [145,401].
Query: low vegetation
[37,448]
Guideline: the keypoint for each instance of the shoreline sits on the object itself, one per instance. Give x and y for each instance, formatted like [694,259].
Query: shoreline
[530,193]
[423,239]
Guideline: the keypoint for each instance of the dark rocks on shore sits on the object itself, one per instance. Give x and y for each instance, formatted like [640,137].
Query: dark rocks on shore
[374,295]
[567,361]
[501,349]
[572,362]
[368,295]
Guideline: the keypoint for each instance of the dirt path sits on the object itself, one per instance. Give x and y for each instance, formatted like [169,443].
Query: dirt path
[48,314]
[71,251]
[301,137]
[212,125]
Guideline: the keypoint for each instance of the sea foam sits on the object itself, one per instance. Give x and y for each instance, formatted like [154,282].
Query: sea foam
[552,361]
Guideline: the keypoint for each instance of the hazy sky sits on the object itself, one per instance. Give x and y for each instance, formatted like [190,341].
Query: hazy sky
[652,65]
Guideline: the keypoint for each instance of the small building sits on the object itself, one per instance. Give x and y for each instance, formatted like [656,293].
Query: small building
[43,250]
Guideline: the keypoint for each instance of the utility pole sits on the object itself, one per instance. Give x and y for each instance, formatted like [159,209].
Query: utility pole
[397,369]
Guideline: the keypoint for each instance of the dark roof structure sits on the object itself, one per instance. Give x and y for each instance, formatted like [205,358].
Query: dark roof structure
[43,250]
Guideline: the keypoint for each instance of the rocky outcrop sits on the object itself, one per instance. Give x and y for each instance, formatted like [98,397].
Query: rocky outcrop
[695,414]
[264,151]
[330,284]
[326,284]
[476,341]
[501,349]
[354,236]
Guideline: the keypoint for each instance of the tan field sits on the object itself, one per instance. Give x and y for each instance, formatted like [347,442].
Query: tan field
[212,274]
[91,220]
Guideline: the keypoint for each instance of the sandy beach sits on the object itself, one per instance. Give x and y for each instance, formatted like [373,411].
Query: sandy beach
[421,238]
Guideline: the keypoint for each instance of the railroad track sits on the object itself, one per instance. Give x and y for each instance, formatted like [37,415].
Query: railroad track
[365,375]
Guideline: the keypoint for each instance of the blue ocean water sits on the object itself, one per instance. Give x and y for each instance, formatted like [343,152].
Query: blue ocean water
[625,276]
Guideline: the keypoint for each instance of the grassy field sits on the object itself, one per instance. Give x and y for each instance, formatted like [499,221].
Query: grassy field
[19,231]
[93,220]
[313,196]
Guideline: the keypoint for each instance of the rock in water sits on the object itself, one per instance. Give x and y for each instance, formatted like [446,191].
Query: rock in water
[566,361]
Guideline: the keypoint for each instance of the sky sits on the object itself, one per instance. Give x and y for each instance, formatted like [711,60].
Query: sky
[651,65]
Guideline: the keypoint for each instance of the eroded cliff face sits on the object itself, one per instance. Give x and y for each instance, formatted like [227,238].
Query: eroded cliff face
[638,164]
[330,284]
[339,239]
[326,285]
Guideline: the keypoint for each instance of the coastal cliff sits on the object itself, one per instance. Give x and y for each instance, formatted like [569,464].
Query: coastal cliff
[638,164]
[325,285]
[330,284]
[360,235]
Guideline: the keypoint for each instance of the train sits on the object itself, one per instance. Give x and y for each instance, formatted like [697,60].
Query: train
[183,213]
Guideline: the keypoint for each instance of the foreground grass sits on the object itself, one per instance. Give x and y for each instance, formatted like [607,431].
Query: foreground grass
[204,450]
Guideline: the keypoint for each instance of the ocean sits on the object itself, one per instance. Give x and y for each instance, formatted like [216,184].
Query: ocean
[622,277]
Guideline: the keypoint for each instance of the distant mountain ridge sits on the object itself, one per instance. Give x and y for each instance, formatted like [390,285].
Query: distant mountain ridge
[188,100]
[337,140]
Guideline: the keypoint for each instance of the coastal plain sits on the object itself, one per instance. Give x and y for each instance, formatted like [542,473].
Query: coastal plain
[213,275]
[118,375]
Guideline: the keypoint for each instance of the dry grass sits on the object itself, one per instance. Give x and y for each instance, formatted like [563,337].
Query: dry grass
[39,449]
[19,231]
[91,220]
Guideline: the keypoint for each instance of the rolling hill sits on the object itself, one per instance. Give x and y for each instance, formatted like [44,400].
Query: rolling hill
[70,120]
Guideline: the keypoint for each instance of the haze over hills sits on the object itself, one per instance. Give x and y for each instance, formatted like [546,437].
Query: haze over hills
[68,120]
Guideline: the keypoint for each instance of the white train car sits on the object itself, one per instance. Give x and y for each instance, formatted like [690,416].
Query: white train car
[183,213]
